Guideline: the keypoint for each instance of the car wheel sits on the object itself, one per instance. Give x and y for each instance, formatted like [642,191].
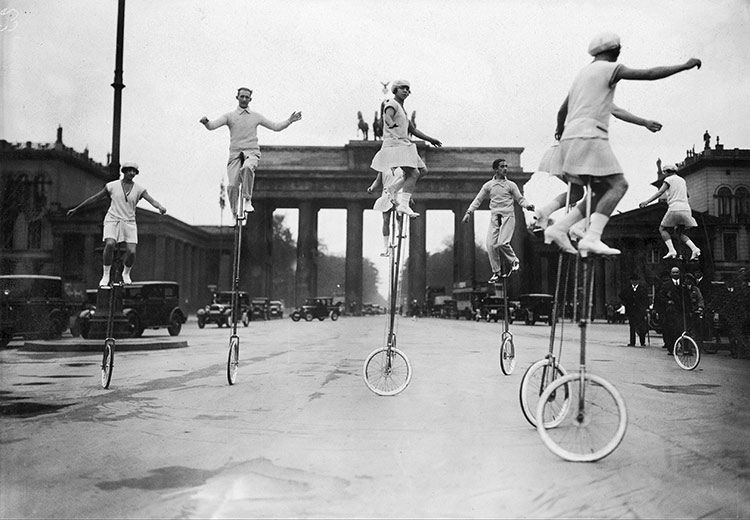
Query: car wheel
[308,316]
[295,316]
[245,320]
[201,322]
[175,326]
[334,316]
[134,325]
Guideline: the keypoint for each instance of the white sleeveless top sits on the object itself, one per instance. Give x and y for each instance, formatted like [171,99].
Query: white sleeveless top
[398,135]
[677,195]
[122,206]
[590,101]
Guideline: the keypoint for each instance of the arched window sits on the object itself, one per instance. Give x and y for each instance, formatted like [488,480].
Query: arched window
[742,202]
[724,202]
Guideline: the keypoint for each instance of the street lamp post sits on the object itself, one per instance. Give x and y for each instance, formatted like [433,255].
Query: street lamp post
[114,165]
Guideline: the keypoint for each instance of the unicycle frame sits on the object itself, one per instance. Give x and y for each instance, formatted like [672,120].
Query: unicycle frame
[234,340]
[397,228]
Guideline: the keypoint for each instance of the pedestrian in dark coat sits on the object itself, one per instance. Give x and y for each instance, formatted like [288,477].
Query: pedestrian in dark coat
[635,298]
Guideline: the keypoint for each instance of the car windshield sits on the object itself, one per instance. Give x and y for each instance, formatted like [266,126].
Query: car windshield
[31,287]
[223,298]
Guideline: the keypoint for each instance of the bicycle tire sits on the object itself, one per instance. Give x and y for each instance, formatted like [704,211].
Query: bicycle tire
[507,356]
[577,437]
[383,380]
[233,359]
[533,383]
[108,361]
[686,352]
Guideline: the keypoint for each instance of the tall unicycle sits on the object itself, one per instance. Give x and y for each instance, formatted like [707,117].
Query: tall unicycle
[233,355]
[507,347]
[108,350]
[596,420]
[387,370]
[543,372]
[685,350]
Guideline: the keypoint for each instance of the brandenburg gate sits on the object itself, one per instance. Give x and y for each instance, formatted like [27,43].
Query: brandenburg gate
[311,178]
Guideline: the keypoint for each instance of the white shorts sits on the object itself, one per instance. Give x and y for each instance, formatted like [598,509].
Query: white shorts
[120,231]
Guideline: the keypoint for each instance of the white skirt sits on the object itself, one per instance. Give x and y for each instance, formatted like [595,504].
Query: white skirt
[551,162]
[588,156]
[680,217]
[397,156]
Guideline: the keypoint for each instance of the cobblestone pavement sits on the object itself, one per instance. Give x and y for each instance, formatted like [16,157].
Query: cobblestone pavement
[300,434]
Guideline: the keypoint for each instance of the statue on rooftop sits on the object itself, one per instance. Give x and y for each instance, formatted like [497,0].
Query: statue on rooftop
[707,140]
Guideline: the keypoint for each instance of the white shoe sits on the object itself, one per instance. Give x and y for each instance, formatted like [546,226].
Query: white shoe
[515,266]
[104,282]
[249,207]
[126,279]
[695,255]
[577,232]
[592,246]
[403,205]
[560,238]
[671,254]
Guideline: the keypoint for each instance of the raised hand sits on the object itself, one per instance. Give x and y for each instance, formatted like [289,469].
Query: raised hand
[203,120]
[693,62]
[653,126]
[296,116]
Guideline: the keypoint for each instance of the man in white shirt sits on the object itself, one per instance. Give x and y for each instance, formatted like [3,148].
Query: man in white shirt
[244,151]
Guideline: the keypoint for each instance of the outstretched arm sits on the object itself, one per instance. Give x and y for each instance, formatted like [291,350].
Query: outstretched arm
[476,203]
[422,135]
[216,123]
[624,115]
[154,202]
[91,200]
[623,72]
[278,127]
[561,115]
[654,196]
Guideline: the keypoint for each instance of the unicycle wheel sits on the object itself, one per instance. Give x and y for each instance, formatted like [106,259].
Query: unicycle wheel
[507,356]
[233,359]
[533,383]
[387,371]
[595,422]
[686,352]
[108,361]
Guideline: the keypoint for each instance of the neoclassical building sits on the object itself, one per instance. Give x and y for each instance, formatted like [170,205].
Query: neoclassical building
[39,182]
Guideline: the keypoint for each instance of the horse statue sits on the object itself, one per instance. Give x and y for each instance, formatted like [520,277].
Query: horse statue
[385,86]
[362,126]
[413,121]
[377,127]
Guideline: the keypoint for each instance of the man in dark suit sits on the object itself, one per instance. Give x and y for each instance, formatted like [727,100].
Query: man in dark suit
[672,302]
[635,299]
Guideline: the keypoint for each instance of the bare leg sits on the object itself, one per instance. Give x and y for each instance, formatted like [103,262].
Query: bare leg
[128,261]
[610,191]
[107,256]
[410,181]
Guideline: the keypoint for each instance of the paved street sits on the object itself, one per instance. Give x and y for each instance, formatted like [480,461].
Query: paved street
[301,435]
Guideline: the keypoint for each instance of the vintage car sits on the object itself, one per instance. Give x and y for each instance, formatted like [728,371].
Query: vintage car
[32,306]
[535,307]
[219,311]
[260,308]
[145,305]
[321,308]
[493,309]
[276,309]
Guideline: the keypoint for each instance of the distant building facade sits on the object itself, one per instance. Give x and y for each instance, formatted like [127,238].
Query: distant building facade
[39,182]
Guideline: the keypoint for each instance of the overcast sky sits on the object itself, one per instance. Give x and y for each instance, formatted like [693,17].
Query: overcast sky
[483,73]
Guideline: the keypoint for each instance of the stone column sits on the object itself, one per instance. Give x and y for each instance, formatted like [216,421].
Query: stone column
[418,254]
[463,246]
[353,276]
[306,277]
[255,262]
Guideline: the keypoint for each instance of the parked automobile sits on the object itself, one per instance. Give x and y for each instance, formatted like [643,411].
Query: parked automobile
[82,320]
[32,306]
[493,309]
[535,307]
[321,308]
[260,309]
[219,311]
[145,305]
[276,309]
